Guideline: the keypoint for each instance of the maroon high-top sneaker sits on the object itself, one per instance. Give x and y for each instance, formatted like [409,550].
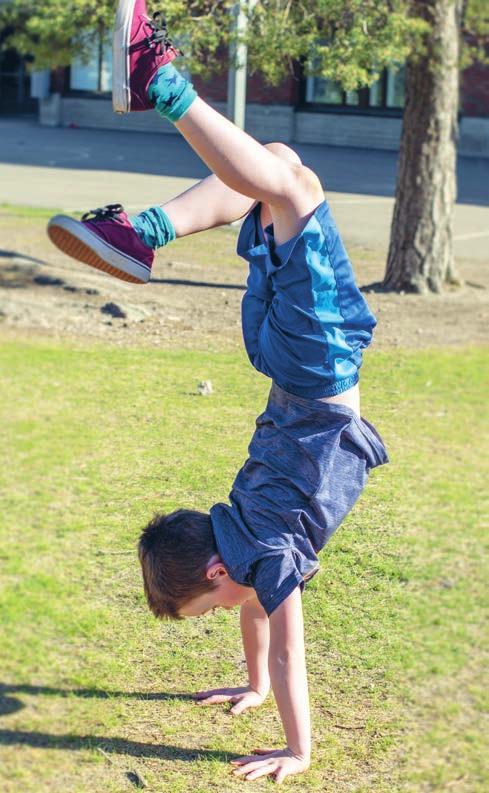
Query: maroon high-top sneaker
[104,239]
[140,46]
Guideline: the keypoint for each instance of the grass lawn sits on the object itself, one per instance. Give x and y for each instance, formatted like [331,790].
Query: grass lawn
[94,691]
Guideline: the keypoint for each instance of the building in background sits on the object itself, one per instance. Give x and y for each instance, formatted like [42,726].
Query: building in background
[301,110]
[15,82]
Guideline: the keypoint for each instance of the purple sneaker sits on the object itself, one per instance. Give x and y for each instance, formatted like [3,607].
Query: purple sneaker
[104,239]
[140,46]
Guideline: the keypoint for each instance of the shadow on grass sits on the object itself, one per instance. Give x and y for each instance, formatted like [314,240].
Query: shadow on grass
[209,284]
[85,693]
[18,276]
[4,254]
[10,704]
[42,740]
[376,287]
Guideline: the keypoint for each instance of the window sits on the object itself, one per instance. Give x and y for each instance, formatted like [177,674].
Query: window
[14,83]
[386,93]
[96,75]
[395,88]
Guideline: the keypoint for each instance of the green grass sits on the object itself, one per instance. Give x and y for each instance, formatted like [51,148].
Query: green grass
[30,212]
[93,687]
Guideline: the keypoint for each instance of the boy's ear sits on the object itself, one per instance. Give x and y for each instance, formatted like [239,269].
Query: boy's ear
[215,569]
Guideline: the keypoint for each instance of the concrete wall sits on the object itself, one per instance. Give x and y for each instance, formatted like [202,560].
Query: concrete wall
[373,132]
[98,114]
[264,122]
[474,137]
[369,132]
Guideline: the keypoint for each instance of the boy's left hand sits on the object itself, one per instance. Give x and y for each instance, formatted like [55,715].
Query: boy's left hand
[280,763]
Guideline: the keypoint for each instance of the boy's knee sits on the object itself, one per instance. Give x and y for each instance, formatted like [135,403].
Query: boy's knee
[308,182]
[284,152]
[302,180]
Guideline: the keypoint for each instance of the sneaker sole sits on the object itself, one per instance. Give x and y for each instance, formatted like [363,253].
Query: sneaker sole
[80,243]
[121,91]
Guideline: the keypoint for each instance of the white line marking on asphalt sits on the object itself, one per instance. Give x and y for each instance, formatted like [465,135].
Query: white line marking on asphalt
[474,235]
[367,200]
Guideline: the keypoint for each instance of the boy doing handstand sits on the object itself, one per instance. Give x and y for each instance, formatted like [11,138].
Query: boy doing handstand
[305,324]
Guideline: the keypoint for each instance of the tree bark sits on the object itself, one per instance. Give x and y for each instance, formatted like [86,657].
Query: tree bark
[421,246]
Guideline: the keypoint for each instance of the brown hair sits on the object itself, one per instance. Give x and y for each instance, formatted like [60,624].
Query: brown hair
[174,550]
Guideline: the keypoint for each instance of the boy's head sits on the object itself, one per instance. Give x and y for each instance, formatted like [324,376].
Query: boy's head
[182,571]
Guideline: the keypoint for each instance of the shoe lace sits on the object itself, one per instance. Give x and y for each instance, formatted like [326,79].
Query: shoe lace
[159,38]
[109,212]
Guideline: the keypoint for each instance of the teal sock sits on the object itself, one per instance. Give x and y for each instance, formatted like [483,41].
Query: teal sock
[170,93]
[153,227]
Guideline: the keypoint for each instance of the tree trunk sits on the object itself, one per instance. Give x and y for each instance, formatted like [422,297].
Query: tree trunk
[421,249]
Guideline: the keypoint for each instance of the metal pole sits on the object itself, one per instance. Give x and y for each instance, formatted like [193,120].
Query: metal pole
[236,109]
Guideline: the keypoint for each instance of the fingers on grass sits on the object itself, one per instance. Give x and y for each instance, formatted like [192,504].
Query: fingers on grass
[250,758]
[238,707]
[215,699]
[211,693]
[264,770]
[251,767]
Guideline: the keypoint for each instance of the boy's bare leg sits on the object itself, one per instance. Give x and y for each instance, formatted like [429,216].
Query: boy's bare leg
[206,205]
[211,203]
[123,246]
[244,165]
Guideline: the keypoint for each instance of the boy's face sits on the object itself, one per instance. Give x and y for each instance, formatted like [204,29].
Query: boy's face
[226,594]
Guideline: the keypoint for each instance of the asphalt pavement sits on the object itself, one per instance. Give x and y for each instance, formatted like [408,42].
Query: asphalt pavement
[78,169]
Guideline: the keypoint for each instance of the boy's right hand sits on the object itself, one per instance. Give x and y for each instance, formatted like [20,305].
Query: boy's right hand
[241,698]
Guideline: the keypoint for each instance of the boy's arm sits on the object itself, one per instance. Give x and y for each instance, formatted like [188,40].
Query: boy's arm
[255,632]
[287,666]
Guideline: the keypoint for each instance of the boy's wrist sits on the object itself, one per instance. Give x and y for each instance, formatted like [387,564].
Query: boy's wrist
[262,687]
[303,754]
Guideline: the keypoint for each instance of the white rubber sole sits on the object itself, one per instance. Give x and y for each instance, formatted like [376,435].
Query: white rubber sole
[121,92]
[75,239]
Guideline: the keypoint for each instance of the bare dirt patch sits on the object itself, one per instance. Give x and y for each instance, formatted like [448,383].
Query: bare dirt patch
[194,298]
